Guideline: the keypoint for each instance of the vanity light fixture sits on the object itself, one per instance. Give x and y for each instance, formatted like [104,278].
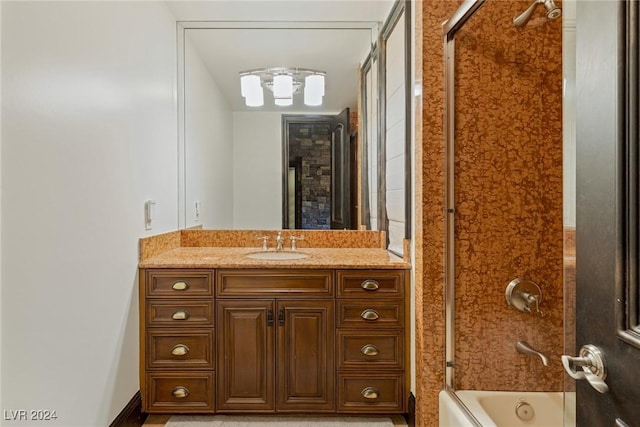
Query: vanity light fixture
[283,83]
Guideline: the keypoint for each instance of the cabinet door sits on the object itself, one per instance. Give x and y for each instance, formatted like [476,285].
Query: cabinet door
[246,362]
[305,368]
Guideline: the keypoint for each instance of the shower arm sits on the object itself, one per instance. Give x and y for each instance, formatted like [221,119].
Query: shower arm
[522,19]
[553,12]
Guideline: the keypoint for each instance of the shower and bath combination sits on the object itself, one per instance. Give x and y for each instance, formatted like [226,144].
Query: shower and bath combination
[553,12]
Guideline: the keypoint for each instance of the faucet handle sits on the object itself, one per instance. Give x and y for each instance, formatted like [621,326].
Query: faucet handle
[294,240]
[535,301]
[524,295]
[265,246]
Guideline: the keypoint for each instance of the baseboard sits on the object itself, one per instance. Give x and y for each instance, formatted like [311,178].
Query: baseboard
[131,415]
[411,415]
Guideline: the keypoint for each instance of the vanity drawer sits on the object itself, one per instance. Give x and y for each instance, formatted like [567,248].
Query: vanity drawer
[370,314]
[185,349]
[180,392]
[370,283]
[370,350]
[362,393]
[179,283]
[177,313]
[271,282]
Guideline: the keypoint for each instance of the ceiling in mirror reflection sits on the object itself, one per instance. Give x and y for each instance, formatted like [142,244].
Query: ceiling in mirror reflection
[288,10]
[339,52]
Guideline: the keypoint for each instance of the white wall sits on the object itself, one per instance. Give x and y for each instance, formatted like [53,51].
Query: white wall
[88,134]
[257,170]
[396,136]
[0,216]
[208,146]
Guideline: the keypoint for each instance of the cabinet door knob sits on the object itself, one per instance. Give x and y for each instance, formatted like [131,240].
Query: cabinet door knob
[370,314]
[370,285]
[370,393]
[370,350]
[180,392]
[180,350]
[180,286]
[180,315]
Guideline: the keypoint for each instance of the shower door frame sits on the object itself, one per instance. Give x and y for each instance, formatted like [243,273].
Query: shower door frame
[450,29]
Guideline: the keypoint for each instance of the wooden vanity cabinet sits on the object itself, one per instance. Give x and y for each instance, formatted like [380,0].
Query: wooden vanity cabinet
[177,351]
[278,347]
[371,355]
[246,345]
[273,340]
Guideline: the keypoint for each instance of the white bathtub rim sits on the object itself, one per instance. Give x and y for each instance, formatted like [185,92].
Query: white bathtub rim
[458,413]
[468,404]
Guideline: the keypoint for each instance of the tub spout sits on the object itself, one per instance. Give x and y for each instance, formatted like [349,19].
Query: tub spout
[524,348]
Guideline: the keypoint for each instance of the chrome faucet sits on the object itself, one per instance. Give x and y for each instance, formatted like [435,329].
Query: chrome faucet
[264,239]
[279,241]
[524,348]
[294,240]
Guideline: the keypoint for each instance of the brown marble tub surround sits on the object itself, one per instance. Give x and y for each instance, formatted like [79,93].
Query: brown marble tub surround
[508,184]
[489,315]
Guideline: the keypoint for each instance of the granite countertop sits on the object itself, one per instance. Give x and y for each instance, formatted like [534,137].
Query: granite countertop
[235,257]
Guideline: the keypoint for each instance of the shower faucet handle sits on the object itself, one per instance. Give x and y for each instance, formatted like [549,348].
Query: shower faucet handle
[524,295]
[535,301]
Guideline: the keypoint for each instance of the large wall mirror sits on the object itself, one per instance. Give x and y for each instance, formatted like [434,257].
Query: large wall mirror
[232,171]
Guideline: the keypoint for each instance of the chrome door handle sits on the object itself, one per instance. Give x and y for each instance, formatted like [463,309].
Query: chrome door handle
[592,367]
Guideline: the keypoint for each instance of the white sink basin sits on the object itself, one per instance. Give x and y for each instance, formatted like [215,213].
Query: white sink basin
[277,256]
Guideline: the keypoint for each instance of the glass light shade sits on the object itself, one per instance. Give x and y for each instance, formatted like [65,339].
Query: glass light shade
[313,89]
[251,89]
[255,97]
[249,83]
[283,102]
[282,86]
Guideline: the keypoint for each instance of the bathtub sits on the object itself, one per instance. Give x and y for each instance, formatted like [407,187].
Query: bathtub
[501,409]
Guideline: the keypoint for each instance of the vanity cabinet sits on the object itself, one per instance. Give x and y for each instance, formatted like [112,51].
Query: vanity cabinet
[273,340]
[278,345]
[278,355]
[177,353]
[371,356]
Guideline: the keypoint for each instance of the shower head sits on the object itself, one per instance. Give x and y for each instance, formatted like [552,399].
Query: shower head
[553,12]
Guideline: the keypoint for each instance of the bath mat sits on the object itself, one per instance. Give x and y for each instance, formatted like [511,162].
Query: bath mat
[275,421]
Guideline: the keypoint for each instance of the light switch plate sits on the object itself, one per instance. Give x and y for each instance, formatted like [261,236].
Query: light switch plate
[149,213]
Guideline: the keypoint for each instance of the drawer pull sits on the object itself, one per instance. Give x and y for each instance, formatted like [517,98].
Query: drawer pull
[370,285]
[370,314]
[180,286]
[370,393]
[180,350]
[180,392]
[180,315]
[370,350]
